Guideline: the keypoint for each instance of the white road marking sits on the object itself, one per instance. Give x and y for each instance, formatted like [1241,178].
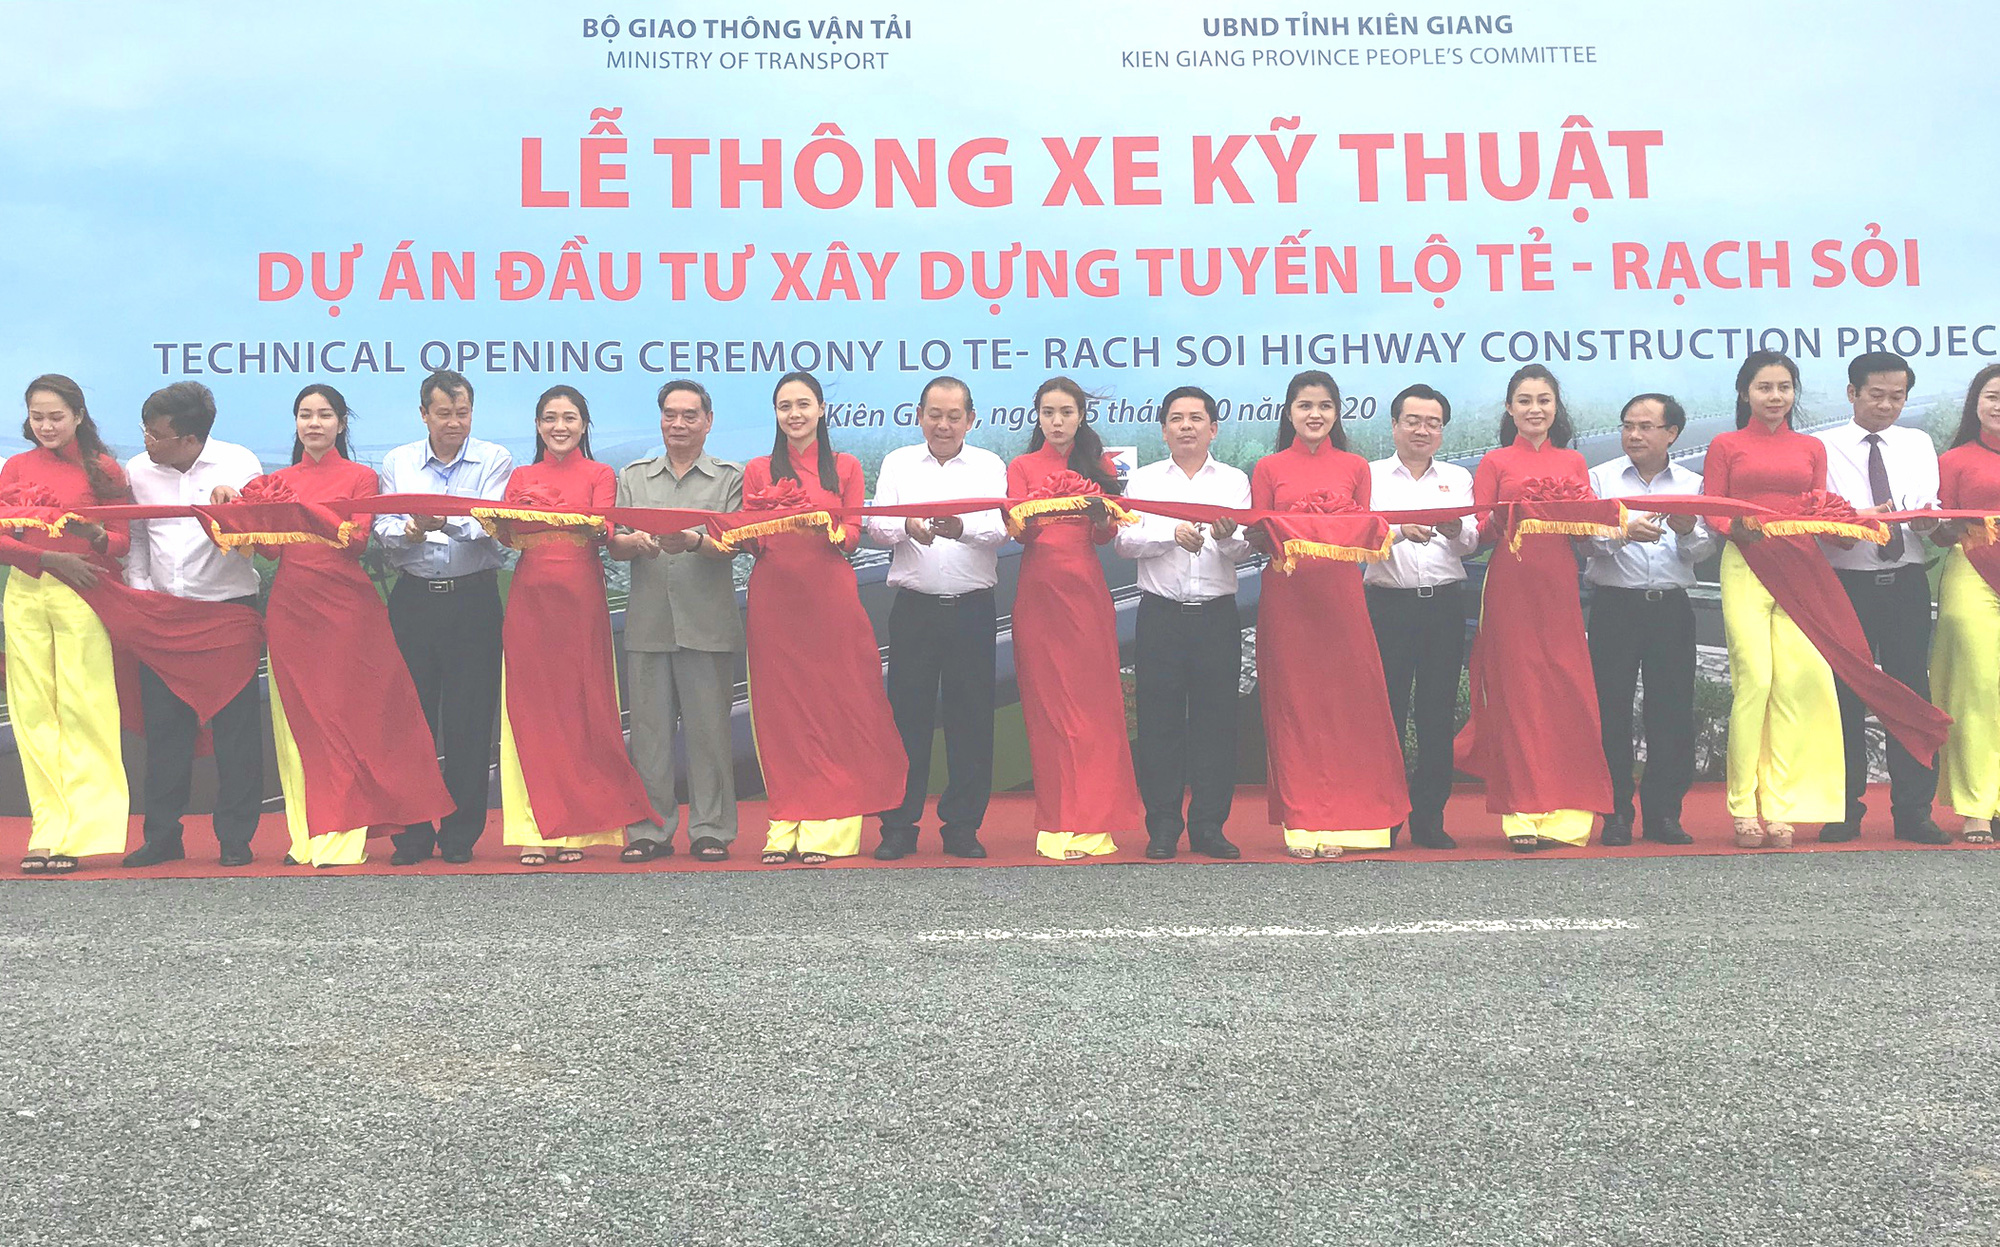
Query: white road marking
[1435,926]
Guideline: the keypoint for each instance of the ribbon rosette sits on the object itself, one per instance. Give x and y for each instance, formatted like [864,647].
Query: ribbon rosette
[30,505]
[1061,493]
[795,514]
[1325,525]
[1821,514]
[267,512]
[1563,505]
[531,510]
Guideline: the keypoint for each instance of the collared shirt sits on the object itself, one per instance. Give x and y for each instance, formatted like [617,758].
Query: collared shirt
[1165,568]
[944,567]
[1419,564]
[1664,564]
[686,600]
[176,556]
[1912,462]
[461,547]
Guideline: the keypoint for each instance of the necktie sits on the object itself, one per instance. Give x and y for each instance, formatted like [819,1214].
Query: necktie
[1878,485]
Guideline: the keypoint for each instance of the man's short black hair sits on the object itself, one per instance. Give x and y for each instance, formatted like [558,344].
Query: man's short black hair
[187,406]
[1862,367]
[1419,390]
[443,379]
[1672,414]
[1188,391]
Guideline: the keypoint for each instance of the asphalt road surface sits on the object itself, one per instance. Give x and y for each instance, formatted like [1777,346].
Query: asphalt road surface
[1710,1051]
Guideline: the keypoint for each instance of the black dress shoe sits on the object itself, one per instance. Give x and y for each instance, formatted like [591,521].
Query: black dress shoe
[237,855]
[409,857]
[1839,833]
[963,844]
[1163,850]
[895,846]
[1215,845]
[1617,832]
[153,852]
[1432,838]
[456,857]
[1668,831]
[1922,831]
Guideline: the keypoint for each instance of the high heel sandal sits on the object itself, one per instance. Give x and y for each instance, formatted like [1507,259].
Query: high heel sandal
[1778,835]
[1749,834]
[1975,831]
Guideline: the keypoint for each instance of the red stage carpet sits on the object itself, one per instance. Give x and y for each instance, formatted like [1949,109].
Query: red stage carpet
[1009,838]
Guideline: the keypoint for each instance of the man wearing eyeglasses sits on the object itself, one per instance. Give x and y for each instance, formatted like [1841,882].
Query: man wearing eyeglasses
[1416,599]
[182,465]
[1642,624]
[683,632]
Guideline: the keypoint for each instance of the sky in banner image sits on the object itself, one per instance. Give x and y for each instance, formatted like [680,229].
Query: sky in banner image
[1140,195]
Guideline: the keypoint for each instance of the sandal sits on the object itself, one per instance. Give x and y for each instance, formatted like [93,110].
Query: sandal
[534,859]
[1975,831]
[60,864]
[1749,834]
[34,865]
[1524,844]
[1778,835]
[813,859]
[774,858]
[1304,855]
[709,849]
[569,857]
[1074,855]
[640,851]
[1327,852]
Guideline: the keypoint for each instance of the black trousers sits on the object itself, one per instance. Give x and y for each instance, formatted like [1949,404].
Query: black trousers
[941,653]
[1421,633]
[1636,635]
[1188,666]
[171,733]
[451,642]
[1895,611]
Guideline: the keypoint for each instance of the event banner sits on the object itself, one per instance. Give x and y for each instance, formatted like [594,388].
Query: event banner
[1138,195]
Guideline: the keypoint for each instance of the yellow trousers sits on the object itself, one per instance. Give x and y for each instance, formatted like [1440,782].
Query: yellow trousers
[333,848]
[1785,750]
[1377,838]
[1568,826]
[835,837]
[63,700]
[1965,679]
[1059,844]
[517,815]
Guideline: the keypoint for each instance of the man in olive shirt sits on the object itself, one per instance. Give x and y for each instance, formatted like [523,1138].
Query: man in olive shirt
[682,632]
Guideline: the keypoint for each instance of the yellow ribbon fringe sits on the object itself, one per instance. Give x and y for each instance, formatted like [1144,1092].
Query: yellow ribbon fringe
[489,518]
[1298,549]
[804,521]
[1568,528]
[1985,533]
[1020,513]
[53,528]
[1875,533]
[233,542]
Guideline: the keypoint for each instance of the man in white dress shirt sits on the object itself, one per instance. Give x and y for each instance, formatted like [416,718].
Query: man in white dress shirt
[941,625]
[1190,639]
[183,465]
[1880,466]
[1416,600]
[1642,624]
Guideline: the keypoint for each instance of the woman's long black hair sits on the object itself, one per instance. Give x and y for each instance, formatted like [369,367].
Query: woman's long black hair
[1560,428]
[781,449]
[333,400]
[571,393]
[1968,424]
[1086,453]
[1336,437]
[1754,363]
[89,443]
